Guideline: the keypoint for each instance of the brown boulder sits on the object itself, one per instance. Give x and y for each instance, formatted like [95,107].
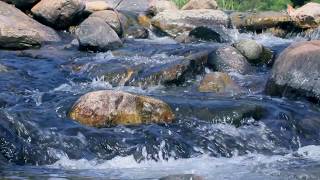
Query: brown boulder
[107,108]
[260,20]
[307,16]
[296,72]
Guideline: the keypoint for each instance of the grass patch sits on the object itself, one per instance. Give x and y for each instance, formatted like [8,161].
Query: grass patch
[180,3]
[245,5]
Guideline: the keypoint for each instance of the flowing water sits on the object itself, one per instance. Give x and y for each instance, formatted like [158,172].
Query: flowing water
[210,138]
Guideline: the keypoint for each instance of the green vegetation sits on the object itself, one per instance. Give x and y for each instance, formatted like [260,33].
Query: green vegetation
[180,3]
[259,5]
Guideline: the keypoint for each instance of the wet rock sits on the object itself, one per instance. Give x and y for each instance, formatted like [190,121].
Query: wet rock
[114,19]
[94,34]
[18,31]
[158,6]
[175,23]
[93,6]
[176,72]
[296,72]
[59,14]
[200,4]
[133,5]
[182,177]
[232,112]
[209,34]
[254,52]
[107,108]
[258,21]
[218,82]
[228,59]
[307,16]
[137,32]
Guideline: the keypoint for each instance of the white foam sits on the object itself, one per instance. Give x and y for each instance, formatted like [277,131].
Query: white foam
[254,165]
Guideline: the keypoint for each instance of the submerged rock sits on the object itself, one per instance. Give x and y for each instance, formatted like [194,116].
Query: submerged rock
[296,72]
[94,34]
[59,14]
[232,112]
[200,4]
[218,82]
[108,108]
[19,31]
[175,23]
[176,72]
[307,16]
[254,52]
[228,59]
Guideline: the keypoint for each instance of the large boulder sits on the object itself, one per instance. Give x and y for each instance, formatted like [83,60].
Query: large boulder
[218,82]
[200,4]
[175,23]
[107,108]
[258,21]
[94,34]
[296,72]
[254,52]
[59,14]
[19,31]
[228,59]
[114,19]
[308,16]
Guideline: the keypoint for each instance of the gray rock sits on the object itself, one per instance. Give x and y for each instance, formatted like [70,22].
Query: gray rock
[296,72]
[19,31]
[94,34]
[115,19]
[175,23]
[59,14]
[254,52]
[228,59]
